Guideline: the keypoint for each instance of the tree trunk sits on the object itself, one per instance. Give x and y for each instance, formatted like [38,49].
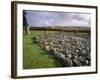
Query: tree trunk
[27,31]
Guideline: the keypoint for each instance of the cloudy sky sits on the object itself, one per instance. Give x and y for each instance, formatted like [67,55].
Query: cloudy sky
[50,18]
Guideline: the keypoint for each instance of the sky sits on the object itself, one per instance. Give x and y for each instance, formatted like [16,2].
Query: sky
[51,18]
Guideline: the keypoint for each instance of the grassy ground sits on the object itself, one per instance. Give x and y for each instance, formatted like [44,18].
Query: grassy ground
[34,56]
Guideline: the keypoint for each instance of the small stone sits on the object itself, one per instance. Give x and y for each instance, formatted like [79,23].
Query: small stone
[69,55]
[47,48]
[68,62]
[76,62]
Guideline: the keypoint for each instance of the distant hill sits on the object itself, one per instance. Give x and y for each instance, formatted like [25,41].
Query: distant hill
[63,28]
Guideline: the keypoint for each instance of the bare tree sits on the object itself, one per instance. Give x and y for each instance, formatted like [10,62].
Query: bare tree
[25,24]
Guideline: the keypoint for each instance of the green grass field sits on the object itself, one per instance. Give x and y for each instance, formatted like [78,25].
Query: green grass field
[34,56]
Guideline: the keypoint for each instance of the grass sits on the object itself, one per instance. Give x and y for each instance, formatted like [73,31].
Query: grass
[34,56]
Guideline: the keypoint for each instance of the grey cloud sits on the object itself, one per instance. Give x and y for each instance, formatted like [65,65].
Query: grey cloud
[50,18]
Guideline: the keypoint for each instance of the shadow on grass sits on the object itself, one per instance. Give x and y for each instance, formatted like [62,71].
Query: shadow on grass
[57,61]
[49,55]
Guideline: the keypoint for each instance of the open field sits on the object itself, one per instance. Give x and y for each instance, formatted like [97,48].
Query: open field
[35,56]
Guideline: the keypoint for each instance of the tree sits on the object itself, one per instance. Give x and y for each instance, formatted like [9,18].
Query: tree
[25,24]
